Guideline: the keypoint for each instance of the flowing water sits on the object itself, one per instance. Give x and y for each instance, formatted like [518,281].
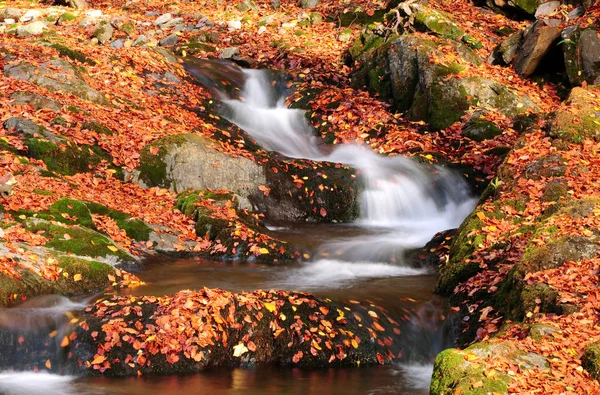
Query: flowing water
[403,204]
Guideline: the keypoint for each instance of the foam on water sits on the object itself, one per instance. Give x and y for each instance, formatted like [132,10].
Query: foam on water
[411,201]
[30,383]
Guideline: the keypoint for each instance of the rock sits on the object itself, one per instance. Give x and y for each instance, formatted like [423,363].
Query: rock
[546,9]
[66,17]
[30,129]
[104,32]
[9,21]
[246,5]
[234,25]
[228,53]
[540,331]
[578,117]
[507,51]
[56,75]
[30,15]
[529,6]
[140,41]
[188,162]
[261,30]
[32,29]
[590,55]
[400,72]
[172,23]
[169,41]
[537,40]
[22,98]
[11,13]
[79,4]
[345,35]
[591,360]
[117,44]
[238,329]
[479,129]
[163,19]
[128,44]
[308,4]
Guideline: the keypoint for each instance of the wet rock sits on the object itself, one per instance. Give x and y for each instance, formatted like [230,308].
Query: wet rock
[228,329]
[190,162]
[32,29]
[169,41]
[22,98]
[56,75]
[537,41]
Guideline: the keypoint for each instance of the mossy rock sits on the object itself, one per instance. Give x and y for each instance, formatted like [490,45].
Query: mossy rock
[541,332]
[438,22]
[459,268]
[94,277]
[77,240]
[555,190]
[73,54]
[553,165]
[479,129]
[97,127]
[591,360]
[577,118]
[452,373]
[556,252]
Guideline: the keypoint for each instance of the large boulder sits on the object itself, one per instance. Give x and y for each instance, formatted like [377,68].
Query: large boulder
[537,41]
[581,49]
[56,75]
[194,330]
[291,190]
[400,71]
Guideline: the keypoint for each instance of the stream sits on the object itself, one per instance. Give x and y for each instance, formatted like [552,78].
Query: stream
[403,205]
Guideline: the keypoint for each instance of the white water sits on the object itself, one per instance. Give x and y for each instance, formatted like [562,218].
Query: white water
[401,196]
[29,383]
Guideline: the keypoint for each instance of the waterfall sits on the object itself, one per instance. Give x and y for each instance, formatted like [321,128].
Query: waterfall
[411,201]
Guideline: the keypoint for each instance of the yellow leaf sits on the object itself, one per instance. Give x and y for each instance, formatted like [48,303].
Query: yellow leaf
[48,364]
[239,350]
[65,342]
[270,306]
[98,359]
[264,251]
[77,277]
[113,248]
[480,215]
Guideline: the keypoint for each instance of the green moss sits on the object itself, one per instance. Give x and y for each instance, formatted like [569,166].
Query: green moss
[42,192]
[153,168]
[73,54]
[347,19]
[453,374]
[67,17]
[591,360]
[79,240]
[69,159]
[439,23]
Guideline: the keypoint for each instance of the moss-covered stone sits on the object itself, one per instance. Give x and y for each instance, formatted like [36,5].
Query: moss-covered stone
[452,373]
[78,240]
[578,118]
[97,127]
[479,129]
[73,54]
[541,332]
[591,360]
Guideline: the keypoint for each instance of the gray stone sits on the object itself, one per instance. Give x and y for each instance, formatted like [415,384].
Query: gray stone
[537,40]
[117,44]
[56,75]
[163,19]
[169,41]
[576,13]
[30,15]
[590,55]
[11,13]
[79,4]
[308,4]
[32,29]
[228,53]
[171,23]
[141,40]
[104,32]
[246,5]
[30,129]
[234,25]
[479,129]
[22,98]
[546,9]
[510,47]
